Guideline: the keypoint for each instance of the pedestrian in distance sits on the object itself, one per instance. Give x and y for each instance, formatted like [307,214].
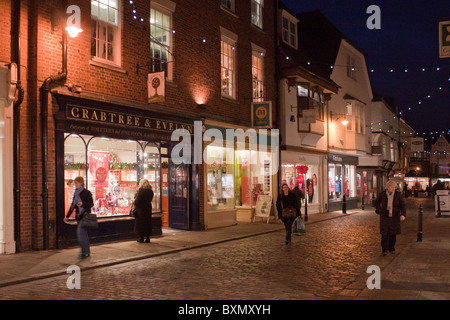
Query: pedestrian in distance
[143,211]
[82,203]
[298,196]
[286,199]
[390,205]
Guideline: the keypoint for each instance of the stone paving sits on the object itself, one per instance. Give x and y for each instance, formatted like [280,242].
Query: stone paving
[330,262]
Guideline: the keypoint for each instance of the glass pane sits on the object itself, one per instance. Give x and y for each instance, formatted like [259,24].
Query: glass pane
[103,12]
[151,168]
[115,167]
[94,9]
[74,166]
[112,16]
[220,178]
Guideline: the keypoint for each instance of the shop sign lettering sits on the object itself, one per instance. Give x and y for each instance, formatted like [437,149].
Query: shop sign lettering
[123,119]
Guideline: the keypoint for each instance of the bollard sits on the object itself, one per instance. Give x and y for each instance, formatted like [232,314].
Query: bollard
[419,231]
[344,205]
[362,202]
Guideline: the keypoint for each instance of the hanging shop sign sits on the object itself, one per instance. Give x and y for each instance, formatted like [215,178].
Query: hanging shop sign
[444,39]
[156,87]
[262,114]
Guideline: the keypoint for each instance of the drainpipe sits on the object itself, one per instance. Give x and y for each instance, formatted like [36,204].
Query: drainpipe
[16,119]
[44,91]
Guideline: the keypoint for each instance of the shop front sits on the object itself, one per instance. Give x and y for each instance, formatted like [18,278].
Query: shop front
[113,147]
[342,182]
[236,173]
[307,171]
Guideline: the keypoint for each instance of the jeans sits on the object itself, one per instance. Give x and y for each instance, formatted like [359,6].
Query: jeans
[83,240]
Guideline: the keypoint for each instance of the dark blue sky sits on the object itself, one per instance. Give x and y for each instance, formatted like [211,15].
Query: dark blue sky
[408,40]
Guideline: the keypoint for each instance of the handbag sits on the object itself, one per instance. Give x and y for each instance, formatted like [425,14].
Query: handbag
[299,227]
[89,221]
[289,212]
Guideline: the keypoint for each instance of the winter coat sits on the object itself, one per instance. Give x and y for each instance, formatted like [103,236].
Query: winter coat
[390,225]
[288,201]
[143,207]
[88,203]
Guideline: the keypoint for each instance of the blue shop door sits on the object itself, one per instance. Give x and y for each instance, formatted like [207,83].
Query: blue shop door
[179,196]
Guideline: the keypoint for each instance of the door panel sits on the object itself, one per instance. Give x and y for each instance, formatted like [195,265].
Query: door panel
[178,196]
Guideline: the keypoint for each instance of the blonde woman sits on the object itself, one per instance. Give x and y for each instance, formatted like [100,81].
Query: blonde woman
[143,206]
[390,205]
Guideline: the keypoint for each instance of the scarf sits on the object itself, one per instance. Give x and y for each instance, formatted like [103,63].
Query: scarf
[390,203]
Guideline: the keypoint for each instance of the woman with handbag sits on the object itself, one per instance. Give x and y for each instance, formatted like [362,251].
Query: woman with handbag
[143,211]
[390,205]
[82,203]
[288,209]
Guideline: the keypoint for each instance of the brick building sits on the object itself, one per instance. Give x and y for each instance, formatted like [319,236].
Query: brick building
[105,104]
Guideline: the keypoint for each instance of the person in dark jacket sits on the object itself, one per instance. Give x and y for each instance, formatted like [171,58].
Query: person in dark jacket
[287,199]
[143,206]
[82,203]
[299,196]
[390,205]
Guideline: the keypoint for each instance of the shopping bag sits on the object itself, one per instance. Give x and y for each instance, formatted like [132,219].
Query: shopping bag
[299,227]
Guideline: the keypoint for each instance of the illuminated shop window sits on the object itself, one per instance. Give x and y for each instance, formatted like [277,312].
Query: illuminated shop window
[220,178]
[112,169]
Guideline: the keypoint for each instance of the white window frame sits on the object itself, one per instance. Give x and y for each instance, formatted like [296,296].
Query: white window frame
[258,87]
[229,5]
[289,32]
[228,63]
[99,23]
[257,13]
[164,45]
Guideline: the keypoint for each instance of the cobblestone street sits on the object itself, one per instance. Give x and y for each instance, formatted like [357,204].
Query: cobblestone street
[316,266]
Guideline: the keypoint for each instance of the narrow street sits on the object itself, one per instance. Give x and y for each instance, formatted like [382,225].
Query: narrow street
[316,266]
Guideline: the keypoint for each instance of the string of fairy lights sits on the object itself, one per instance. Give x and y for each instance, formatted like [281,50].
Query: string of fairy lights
[442,87]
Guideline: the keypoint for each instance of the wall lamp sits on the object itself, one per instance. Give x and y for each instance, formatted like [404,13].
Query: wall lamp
[73,21]
[338,116]
[201,106]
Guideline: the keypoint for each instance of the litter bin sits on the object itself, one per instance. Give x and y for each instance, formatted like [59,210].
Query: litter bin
[441,202]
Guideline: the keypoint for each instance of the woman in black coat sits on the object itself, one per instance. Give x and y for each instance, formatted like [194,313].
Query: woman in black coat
[287,199]
[143,211]
[390,205]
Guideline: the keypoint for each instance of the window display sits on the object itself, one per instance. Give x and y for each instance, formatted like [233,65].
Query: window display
[253,176]
[303,175]
[341,181]
[112,169]
[220,178]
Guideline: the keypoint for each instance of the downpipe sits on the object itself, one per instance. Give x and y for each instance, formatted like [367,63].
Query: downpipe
[44,91]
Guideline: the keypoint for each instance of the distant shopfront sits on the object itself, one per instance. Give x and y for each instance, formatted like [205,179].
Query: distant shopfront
[113,147]
[236,174]
[307,171]
[342,181]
